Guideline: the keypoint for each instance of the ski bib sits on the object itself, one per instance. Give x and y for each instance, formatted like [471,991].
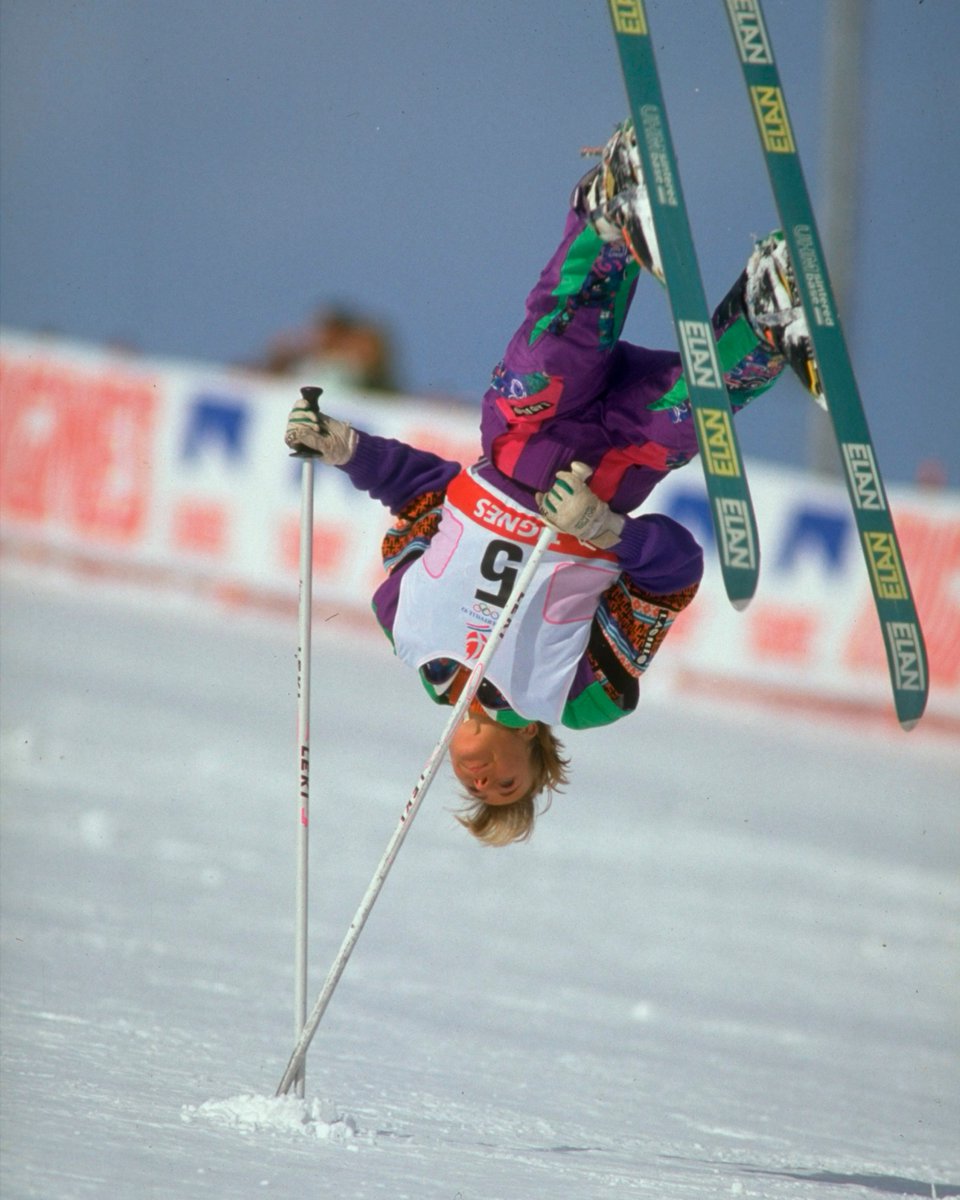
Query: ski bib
[451,597]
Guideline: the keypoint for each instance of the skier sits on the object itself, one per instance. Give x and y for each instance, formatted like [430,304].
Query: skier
[576,429]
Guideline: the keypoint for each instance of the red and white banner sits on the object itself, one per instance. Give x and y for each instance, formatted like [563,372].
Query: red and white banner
[176,476]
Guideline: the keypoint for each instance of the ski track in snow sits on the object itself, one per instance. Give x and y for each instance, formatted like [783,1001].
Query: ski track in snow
[725,966]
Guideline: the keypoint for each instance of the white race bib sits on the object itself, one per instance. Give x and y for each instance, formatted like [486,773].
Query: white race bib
[451,597]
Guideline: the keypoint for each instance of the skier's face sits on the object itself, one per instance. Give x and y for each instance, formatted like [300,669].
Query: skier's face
[492,761]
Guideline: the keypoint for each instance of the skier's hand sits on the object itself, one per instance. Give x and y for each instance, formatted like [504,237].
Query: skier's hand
[310,431]
[571,507]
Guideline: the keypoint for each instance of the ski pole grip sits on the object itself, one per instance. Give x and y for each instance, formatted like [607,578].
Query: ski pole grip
[312,396]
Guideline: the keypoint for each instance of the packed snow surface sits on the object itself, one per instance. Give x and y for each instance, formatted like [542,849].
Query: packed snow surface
[726,965]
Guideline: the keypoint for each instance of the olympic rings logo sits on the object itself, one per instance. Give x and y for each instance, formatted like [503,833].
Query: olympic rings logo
[484,610]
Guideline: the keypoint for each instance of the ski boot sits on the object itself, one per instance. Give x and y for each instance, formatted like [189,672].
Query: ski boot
[615,199]
[776,314]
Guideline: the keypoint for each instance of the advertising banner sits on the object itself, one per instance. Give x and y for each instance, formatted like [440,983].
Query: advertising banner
[175,476]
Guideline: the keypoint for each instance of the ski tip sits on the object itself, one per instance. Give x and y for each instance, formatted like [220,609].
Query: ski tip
[909,714]
[740,602]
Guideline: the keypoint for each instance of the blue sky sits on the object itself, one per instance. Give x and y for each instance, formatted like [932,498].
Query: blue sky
[193,176]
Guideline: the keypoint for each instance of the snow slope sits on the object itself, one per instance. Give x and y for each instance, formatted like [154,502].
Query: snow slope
[725,966]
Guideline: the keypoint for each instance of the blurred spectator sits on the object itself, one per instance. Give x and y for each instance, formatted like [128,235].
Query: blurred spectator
[932,474]
[336,346]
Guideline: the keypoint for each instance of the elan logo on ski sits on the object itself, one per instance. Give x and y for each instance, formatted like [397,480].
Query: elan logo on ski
[628,17]
[907,646]
[700,354]
[864,477]
[885,566]
[752,41]
[772,119]
[737,546]
[716,433]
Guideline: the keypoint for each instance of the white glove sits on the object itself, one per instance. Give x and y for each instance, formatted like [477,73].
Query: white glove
[571,507]
[310,431]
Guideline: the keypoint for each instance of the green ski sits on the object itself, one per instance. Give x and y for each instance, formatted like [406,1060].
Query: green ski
[896,610]
[726,481]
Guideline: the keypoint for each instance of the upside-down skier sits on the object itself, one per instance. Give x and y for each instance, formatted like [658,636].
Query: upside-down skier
[577,428]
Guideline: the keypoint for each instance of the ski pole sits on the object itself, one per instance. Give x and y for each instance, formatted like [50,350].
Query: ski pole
[294,1066]
[312,396]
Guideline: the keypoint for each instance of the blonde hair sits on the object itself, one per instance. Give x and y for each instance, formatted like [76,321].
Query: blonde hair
[501,824]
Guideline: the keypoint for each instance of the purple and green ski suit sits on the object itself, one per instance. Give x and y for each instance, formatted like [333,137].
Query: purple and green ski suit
[569,389]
